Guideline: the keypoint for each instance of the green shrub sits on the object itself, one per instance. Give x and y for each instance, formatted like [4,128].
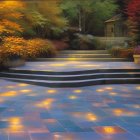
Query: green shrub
[57,33]
[98,44]
[86,42]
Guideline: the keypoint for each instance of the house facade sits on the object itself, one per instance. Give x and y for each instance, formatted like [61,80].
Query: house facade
[115,27]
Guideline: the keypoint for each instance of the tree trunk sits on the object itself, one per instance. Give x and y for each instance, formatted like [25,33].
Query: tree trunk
[80,20]
[84,22]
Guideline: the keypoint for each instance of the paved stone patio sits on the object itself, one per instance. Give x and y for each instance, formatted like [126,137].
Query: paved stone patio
[76,65]
[109,112]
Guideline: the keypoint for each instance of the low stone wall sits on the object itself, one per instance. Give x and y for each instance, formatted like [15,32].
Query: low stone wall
[15,63]
[112,41]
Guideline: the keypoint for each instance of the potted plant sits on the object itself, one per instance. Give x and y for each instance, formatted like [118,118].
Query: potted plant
[137,55]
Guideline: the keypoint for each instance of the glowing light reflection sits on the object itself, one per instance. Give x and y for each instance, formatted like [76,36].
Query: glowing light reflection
[15,124]
[118,112]
[113,93]
[25,91]
[122,112]
[72,97]
[91,117]
[22,85]
[46,103]
[8,94]
[78,91]
[51,91]
[88,65]
[57,65]
[109,88]
[71,59]
[136,106]
[10,86]
[138,87]
[109,130]
[100,90]
[2,100]
[57,136]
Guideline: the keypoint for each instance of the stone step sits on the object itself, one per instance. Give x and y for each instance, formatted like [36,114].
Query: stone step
[84,59]
[71,77]
[77,83]
[84,56]
[72,73]
[84,52]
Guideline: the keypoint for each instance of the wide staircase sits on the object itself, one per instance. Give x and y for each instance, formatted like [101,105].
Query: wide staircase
[77,78]
[84,55]
[74,78]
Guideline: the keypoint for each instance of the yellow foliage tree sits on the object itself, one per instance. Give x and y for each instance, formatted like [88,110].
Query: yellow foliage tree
[10,11]
[52,11]
[44,16]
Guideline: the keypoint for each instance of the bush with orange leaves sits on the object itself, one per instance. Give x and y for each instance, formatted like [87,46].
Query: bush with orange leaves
[12,47]
[40,48]
[17,47]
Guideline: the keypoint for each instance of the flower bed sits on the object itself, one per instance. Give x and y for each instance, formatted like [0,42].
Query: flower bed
[122,52]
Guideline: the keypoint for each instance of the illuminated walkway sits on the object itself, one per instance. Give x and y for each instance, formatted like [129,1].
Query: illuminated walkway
[76,65]
[28,112]
[103,112]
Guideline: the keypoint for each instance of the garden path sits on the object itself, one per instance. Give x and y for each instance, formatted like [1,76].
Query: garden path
[95,112]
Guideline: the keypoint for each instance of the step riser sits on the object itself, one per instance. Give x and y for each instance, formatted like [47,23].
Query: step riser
[74,72]
[83,59]
[83,56]
[84,52]
[82,84]
[73,78]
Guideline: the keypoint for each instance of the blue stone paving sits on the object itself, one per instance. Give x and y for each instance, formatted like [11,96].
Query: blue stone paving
[76,65]
[106,112]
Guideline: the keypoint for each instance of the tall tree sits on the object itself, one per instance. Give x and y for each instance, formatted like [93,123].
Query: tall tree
[10,14]
[133,12]
[89,15]
[31,18]
[45,16]
[122,6]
